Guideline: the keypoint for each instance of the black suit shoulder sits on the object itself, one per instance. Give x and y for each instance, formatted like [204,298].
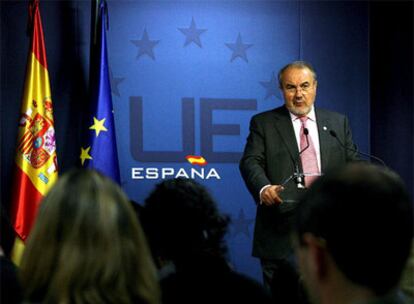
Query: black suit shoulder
[329,114]
[270,114]
[283,112]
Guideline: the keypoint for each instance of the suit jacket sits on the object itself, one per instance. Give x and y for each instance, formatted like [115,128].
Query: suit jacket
[269,157]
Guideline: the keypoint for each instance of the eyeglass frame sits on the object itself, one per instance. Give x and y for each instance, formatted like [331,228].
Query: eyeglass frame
[304,87]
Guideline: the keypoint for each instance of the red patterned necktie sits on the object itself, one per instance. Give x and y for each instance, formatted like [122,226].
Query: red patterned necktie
[308,156]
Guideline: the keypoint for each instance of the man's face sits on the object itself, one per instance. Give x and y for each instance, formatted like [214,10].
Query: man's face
[299,90]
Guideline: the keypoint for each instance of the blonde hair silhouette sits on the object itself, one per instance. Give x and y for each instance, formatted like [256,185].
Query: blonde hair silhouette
[87,246]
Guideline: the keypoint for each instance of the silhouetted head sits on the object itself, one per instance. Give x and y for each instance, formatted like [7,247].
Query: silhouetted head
[360,216]
[182,220]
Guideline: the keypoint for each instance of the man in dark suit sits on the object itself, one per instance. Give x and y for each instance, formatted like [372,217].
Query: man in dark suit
[271,156]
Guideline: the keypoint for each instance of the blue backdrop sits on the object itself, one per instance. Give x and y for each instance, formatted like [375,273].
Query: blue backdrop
[186,78]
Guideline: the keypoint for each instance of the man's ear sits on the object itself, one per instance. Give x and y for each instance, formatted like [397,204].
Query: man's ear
[317,255]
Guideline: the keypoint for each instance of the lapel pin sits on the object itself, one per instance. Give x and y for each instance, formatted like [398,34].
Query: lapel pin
[325,128]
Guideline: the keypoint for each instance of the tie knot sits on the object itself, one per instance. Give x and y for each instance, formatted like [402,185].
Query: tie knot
[303,119]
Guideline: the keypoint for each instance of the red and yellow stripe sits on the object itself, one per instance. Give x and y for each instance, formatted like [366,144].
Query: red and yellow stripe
[196,160]
[36,165]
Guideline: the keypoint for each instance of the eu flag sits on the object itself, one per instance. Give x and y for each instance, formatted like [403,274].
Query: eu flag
[100,152]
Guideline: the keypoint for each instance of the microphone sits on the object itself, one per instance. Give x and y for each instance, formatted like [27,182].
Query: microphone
[306,132]
[299,178]
[333,134]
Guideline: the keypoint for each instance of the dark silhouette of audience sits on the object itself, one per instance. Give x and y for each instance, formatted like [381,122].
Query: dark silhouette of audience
[354,230]
[287,288]
[10,288]
[87,246]
[353,235]
[186,231]
[407,278]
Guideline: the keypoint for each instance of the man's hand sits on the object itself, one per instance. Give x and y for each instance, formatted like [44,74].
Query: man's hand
[270,195]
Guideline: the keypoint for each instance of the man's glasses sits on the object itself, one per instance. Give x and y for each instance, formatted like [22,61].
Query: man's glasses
[304,87]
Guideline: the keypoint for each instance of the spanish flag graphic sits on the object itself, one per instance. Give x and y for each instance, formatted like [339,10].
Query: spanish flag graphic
[196,160]
[36,161]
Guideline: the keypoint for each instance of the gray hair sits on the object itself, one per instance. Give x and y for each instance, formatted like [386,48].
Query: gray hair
[299,65]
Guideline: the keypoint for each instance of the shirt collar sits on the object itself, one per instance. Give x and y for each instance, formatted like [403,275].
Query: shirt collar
[311,115]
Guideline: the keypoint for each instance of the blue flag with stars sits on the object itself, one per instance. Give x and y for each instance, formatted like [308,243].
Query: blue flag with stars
[100,152]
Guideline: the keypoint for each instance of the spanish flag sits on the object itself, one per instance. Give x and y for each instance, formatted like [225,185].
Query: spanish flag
[196,160]
[36,161]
